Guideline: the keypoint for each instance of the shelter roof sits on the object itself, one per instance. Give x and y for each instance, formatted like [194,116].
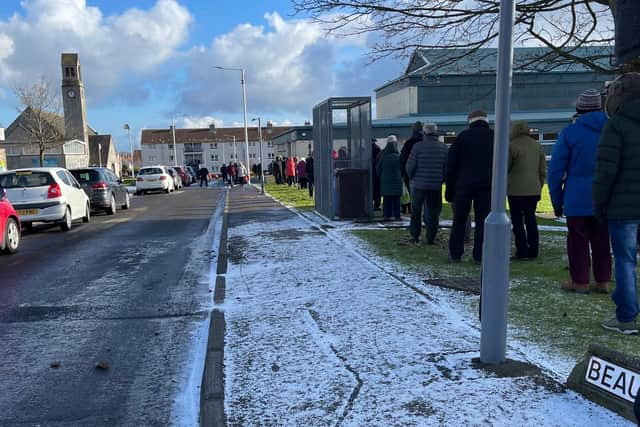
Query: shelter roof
[196,135]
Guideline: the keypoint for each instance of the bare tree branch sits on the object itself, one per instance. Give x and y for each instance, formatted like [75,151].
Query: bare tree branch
[405,25]
[41,107]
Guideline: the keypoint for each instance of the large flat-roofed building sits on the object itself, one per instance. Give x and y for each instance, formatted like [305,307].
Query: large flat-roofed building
[210,147]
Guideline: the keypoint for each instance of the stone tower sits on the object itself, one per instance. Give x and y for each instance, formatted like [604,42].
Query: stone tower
[75,111]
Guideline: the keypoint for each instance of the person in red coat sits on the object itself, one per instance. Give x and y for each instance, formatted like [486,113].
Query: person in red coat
[291,171]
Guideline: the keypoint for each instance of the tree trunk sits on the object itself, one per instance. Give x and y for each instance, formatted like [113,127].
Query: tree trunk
[41,158]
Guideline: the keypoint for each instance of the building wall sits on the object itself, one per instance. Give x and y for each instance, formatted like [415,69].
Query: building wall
[402,102]
[211,154]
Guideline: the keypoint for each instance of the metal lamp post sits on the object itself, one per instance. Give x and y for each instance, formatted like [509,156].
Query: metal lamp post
[173,135]
[100,154]
[261,157]
[497,240]
[133,170]
[244,109]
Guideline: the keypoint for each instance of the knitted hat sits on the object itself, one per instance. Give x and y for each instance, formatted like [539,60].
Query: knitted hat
[623,89]
[589,100]
[477,115]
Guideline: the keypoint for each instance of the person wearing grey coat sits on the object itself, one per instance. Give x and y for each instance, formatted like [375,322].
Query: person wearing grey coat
[426,170]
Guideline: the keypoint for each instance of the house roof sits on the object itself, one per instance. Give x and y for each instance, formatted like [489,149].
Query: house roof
[163,136]
[53,119]
[525,59]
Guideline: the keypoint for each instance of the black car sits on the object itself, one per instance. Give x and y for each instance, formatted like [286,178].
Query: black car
[105,190]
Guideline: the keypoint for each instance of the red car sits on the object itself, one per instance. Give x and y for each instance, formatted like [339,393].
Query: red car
[183,175]
[9,225]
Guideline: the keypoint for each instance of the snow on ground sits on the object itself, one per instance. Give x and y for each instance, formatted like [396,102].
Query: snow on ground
[318,335]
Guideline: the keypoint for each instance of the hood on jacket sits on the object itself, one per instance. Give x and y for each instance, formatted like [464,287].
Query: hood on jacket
[594,120]
[519,128]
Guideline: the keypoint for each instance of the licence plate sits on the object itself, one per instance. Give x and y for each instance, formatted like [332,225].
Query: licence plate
[152,179]
[23,212]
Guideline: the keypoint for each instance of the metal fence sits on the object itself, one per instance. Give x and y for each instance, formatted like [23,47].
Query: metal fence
[336,151]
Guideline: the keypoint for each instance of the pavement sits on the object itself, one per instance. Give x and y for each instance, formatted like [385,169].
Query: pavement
[101,326]
[319,331]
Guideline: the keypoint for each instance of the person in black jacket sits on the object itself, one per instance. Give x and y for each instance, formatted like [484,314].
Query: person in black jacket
[204,176]
[375,152]
[416,137]
[469,169]
[310,175]
[223,172]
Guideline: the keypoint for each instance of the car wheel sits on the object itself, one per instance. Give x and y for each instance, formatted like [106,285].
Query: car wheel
[111,210]
[138,193]
[127,201]
[167,190]
[11,236]
[66,220]
[87,215]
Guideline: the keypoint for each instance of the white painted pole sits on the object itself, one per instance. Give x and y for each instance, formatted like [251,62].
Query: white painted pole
[246,131]
[497,237]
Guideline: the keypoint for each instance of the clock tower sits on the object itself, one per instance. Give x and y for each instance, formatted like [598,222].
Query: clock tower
[75,112]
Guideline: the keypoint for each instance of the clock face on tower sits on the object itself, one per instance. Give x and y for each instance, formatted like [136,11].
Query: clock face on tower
[71,93]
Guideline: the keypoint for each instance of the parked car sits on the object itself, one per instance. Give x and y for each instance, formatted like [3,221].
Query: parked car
[50,195]
[177,179]
[193,174]
[105,190]
[184,176]
[154,178]
[9,225]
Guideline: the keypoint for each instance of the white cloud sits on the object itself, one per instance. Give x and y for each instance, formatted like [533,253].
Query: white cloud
[290,65]
[201,122]
[113,49]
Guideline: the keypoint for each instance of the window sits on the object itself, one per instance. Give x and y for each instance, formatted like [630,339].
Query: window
[269,143]
[171,158]
[152,146]
[63,177]
[213,146]
[152,158]
[86,175]
[549,136]
[252,155]
[27,179]
[271,156]
[193,147]
[252,144]
[214,157]
[14,150]
[170,146]
[150,171]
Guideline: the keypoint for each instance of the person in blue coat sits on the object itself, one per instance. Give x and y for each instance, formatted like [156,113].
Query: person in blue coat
[570,179]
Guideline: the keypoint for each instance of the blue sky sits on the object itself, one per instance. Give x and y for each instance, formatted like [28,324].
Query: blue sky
[146,60]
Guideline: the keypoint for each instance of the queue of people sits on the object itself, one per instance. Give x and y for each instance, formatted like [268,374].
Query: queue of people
[593,178]
[294,172]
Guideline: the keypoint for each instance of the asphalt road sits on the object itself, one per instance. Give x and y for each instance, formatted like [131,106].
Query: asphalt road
[126,292]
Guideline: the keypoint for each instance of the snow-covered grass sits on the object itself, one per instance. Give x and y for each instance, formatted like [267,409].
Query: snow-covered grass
[541,313]
[318,334]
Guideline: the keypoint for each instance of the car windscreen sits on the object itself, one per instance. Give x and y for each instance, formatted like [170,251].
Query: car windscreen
[25,179]
[150,171]
[86,175]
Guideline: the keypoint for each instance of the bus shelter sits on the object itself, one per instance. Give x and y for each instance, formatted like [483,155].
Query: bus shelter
[342,157]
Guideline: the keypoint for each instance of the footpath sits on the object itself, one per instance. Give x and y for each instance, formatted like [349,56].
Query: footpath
[317,334]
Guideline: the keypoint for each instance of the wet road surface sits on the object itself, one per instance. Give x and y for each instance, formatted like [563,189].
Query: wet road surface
[125,292]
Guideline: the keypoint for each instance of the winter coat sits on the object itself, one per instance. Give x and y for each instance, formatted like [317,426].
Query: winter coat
[309,169]
[572,165]
[527,165]
[388,168]
[616,185]
[291,167]
[301,168]
[203,173]
[223,170]
[242,171]
[231,170]
[470,160]
[427,164]
[406,150]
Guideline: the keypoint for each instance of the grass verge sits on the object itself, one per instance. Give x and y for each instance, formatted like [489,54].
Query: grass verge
[290,196]
[546,315]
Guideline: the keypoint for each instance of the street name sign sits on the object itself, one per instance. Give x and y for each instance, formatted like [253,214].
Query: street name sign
[612,378]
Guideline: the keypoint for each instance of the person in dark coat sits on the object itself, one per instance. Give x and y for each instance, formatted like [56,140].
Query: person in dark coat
[416,136]
[375,152]
[571,171]
[310,175]
[388,167]
[616,194]
[426,170]
[469,169]
[223,172]
[204,176]
[277,170]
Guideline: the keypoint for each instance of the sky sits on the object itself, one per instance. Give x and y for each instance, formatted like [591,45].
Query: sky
[146,61]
